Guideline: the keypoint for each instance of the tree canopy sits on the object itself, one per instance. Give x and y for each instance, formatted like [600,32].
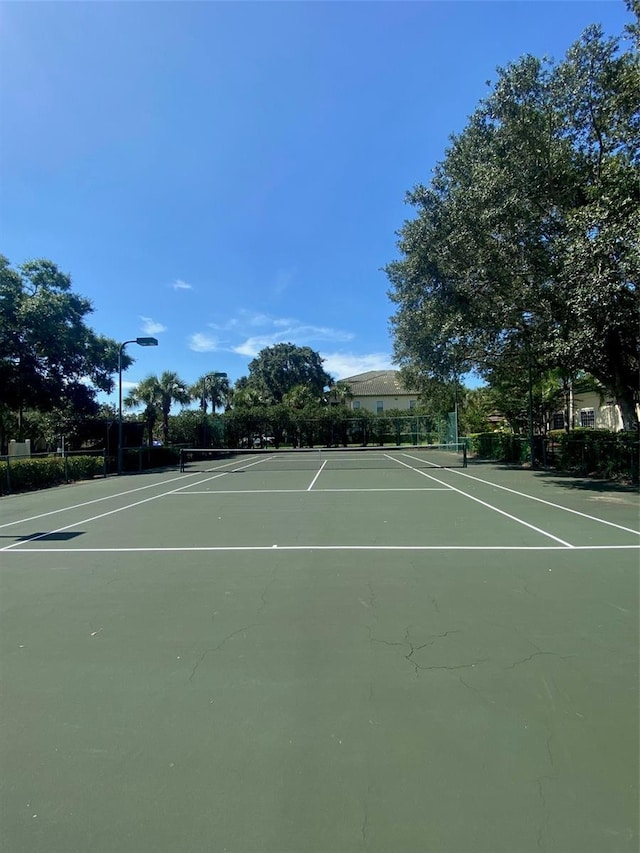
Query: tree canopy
[278,369]
[525,245]
[49,357]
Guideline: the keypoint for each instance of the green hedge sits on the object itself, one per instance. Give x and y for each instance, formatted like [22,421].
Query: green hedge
[588,452]
[598,453]
[501,446]
[22,475]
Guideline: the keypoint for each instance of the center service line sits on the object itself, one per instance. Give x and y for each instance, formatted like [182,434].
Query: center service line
[317,475]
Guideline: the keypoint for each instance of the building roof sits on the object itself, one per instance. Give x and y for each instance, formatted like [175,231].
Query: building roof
[381,383]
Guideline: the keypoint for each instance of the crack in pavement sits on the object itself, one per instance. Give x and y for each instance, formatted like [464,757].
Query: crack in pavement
[547,777]
[263,594]
[475,690]
[365,825]
[218,647]
[372,599]
[364,829]
[406,643]
[538,654]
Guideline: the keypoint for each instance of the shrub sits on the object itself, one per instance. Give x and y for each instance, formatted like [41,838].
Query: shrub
[501,446]
[22,475]
[600,453]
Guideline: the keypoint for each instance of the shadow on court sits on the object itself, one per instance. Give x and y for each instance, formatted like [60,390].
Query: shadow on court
[45,536]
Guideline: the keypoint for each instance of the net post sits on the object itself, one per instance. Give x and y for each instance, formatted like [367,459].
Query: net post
[464,454]
[181,460]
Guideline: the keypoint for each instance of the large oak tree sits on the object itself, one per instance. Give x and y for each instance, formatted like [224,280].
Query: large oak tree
[525,247]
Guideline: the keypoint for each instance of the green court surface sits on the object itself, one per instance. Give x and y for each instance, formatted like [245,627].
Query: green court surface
[260,659]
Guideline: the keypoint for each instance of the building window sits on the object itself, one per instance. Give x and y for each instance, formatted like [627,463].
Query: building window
[587,418]
[413,404]
[379,407]
[557,422]
[356,404]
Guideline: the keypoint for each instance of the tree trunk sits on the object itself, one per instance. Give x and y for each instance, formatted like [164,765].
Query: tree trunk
[628,412]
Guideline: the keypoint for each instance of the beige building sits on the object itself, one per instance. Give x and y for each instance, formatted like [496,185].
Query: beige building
[590,409]
[379,391]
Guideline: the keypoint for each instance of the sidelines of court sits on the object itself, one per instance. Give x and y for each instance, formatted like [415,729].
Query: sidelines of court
[110,512]
[489,506]
[14,547]
[276,491]
[548,503]
[38,536]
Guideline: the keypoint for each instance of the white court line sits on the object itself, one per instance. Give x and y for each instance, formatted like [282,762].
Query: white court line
[483,503]
[119,509]
[114,511]
[304,491]
[549,503]
[207,548]
[317,475]
[94,501]
[116,495]
[102,515]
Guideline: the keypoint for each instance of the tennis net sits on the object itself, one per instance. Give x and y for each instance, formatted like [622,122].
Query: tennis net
[312,458]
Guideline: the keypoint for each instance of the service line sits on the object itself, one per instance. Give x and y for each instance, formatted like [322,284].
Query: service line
[207,548]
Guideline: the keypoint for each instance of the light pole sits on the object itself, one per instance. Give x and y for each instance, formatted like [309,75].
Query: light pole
[206,379]
[526,325]
[143,342]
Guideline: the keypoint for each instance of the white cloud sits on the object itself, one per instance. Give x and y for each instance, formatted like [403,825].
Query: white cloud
[202,343]
[178,284]
[150,327]
[293,333]
[342,364]
[239,334]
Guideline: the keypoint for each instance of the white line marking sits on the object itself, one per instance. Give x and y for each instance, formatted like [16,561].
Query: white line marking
[549,503]
[94,501]
[119,509]
[188,549]
[484,503]
[103,515]
[303,491]
[317,475]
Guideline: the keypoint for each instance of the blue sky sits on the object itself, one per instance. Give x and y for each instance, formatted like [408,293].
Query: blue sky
[226,176]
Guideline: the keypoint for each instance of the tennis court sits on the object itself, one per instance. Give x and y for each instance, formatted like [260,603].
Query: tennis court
[313,654]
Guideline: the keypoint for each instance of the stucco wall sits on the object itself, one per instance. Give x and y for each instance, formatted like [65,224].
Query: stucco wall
[391,402]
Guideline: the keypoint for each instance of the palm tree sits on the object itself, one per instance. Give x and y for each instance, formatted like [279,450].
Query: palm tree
[211,388]
[147,394]
[340,393]
[157,396]
[172,390]
[299,397]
